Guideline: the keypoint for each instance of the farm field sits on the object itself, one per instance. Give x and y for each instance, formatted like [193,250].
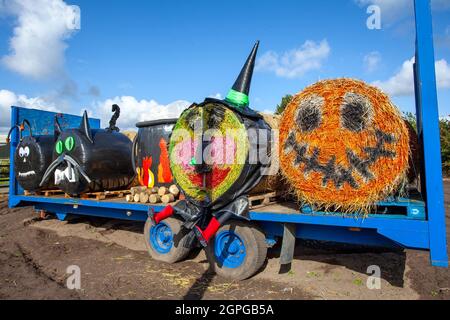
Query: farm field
[34,256]
[4,172]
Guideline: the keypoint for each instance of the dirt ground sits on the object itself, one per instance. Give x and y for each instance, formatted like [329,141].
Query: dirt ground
[35,255]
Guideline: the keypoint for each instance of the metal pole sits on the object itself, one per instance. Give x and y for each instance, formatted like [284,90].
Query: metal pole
[428,130]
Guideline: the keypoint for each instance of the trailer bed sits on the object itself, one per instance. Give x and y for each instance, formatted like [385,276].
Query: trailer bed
[373,230]
[284,207]
[279,207]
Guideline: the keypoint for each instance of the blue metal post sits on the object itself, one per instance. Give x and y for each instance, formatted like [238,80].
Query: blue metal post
[12,147]
[428,129]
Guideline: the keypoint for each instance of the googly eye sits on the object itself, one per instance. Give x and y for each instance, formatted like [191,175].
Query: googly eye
[26,151]
[21,152]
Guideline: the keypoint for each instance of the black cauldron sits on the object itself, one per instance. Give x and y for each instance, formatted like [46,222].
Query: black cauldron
[150,156]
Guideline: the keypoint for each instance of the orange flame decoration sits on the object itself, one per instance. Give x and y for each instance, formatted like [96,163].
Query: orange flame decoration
[164,173]
[145,175]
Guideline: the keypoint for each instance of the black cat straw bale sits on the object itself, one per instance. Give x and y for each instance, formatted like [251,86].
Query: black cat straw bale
[32,157]
[90,160]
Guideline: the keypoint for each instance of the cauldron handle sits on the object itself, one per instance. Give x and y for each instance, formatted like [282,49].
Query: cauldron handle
[8,137]
[133,152]
[22,127]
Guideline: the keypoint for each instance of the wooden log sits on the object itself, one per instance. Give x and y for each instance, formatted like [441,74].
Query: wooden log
[137,190]
[136,197]
[154,190]
[173,189]
[129,198]
[154,198]
[168,198]
[143,197]
[162,191]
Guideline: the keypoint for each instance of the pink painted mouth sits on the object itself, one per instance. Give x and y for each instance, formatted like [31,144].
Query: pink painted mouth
[219,152]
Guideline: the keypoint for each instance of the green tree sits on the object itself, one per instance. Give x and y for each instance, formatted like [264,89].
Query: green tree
[284,102]
[444,126]
[411,118]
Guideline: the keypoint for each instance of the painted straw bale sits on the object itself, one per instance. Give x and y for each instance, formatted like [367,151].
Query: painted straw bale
[90,160]
[220,149]
[273,181]
[226,168]
[32,156]
[343,145]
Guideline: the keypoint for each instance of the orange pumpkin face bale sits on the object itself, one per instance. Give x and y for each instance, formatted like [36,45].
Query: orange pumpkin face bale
[343,144]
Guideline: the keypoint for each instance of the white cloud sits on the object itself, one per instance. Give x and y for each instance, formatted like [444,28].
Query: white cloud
[9,98]
[296,62]
[38,42]
[216,96]
[443,74]
[372,61]
[402,83]
[133,110]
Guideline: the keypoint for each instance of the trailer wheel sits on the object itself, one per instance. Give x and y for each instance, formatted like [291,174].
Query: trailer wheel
[167,241]
[238,250]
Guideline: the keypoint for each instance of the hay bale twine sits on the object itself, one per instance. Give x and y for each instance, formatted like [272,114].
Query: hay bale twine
[343,145]
[130,134]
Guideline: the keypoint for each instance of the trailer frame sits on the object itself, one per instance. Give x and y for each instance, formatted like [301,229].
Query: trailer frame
[420,226]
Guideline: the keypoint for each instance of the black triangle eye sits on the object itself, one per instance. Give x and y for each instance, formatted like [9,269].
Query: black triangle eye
[309,113]
[356,112]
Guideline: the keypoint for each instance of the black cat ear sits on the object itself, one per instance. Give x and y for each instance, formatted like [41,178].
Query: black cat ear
[85,128]
[57,130]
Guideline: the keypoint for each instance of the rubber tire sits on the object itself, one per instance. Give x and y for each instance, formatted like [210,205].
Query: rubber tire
[177,252]
[256,251]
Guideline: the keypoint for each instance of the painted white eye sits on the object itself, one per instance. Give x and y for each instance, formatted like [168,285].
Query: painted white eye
[21,152]
[26,151]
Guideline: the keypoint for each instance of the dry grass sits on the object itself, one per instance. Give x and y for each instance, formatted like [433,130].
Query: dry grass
[332,139]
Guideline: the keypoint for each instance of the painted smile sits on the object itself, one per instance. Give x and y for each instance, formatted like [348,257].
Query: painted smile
[27,174]
[214,178]
[336,173]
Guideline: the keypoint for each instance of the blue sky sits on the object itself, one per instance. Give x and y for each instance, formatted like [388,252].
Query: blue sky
[154,57]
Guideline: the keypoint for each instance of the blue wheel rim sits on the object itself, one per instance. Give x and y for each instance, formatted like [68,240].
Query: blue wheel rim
[161,238]
[229,249]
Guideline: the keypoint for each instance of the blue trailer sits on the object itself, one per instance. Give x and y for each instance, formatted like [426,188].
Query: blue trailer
[239,248]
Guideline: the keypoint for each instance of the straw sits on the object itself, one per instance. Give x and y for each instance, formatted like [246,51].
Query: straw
[343,146]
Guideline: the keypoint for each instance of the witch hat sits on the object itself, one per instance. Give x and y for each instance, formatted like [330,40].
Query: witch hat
[238,95]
